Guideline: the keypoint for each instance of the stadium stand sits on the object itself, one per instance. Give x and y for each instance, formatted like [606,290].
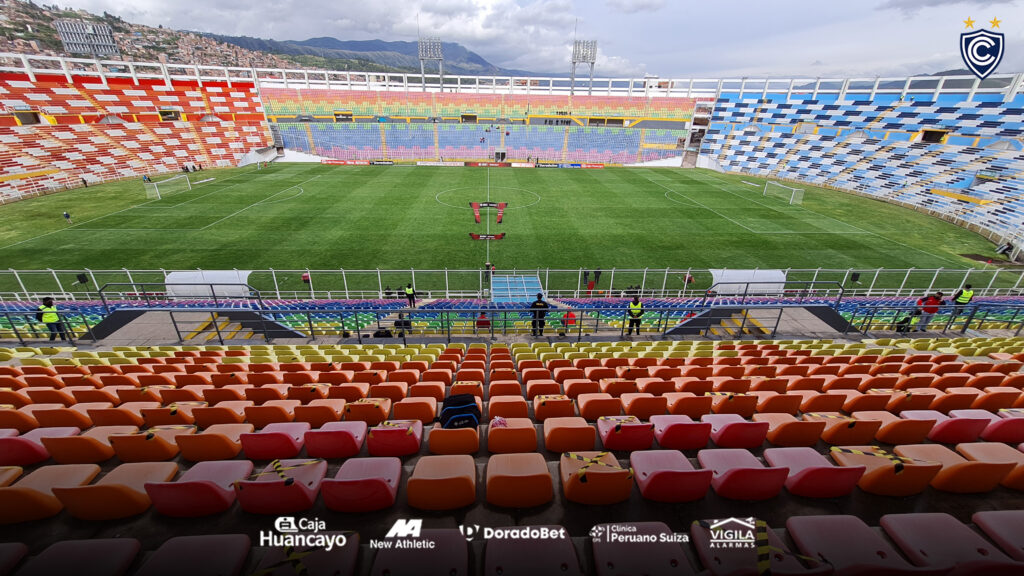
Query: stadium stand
[598,451]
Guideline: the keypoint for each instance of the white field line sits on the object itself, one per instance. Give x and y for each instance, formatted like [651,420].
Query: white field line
[858,228]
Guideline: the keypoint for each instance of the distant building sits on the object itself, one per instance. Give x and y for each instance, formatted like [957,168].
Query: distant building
[82,37]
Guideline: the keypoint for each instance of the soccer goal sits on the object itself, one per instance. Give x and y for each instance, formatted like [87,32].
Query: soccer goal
[790,195]
[156,190]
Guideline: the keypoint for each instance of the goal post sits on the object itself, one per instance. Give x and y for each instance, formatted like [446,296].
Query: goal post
[156,190]
[789,194]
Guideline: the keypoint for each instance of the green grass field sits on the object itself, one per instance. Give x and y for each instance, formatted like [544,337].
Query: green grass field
[296,216]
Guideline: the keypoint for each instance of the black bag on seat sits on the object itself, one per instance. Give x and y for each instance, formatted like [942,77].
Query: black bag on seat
[460,411]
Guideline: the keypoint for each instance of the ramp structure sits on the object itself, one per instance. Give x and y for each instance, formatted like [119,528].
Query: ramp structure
[513,288]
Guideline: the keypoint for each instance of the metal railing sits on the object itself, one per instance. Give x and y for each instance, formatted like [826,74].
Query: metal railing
[749,321]
[787,291]
[948,318]
[21,285]
[167,293]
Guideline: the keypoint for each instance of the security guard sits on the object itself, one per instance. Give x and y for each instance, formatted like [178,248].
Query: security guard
[636,310]
[410,295]
[962,298]
[47,314]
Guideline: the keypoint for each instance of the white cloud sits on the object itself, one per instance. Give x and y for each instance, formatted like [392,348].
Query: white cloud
[634,6]
[912,6]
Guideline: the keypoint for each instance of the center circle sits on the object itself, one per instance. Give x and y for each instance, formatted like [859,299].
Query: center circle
[515,197]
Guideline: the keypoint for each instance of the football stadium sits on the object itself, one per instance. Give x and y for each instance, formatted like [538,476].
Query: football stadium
[276,321]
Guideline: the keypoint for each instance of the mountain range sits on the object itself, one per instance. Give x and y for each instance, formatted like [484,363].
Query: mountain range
[397,54]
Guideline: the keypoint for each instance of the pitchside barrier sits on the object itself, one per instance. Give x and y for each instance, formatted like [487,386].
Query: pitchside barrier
[85,284]
[377,325]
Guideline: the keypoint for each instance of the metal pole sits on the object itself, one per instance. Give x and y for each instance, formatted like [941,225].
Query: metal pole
[579,282]
[446,295]
[94,282]
[344,283]
[220,337]
[934,278]
[643,282]
[277,289]
[60,286]
[309,275]
[175,324]
[664,283]
[874,280]
[611,282]
[20,283]
[904,283]
[413,270]
[309,322]
[993,280]
[14,327]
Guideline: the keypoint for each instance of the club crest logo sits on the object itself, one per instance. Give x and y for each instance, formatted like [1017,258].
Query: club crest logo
[982,50]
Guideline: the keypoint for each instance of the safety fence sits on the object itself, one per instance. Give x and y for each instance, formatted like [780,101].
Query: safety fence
[308,284]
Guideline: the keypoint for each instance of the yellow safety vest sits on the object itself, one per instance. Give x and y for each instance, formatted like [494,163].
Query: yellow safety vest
[636,310]
[49,314]
[965,297]
[408,291]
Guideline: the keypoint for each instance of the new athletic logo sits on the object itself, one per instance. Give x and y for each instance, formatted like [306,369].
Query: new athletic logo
[982,50]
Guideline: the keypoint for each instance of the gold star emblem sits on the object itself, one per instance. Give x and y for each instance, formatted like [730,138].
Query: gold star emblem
[995,22]
[968,23]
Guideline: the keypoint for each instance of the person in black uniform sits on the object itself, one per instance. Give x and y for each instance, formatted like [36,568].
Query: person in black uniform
[540,310]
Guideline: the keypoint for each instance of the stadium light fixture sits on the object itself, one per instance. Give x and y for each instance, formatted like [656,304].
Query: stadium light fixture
[583,52]
[430,51]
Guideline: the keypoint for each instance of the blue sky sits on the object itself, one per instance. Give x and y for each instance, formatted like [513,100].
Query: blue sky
[667,38]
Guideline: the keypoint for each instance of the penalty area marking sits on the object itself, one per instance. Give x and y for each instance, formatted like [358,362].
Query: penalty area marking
[437,197]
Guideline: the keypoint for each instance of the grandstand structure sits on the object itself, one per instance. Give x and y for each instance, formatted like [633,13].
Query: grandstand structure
[950,146]
[173,434]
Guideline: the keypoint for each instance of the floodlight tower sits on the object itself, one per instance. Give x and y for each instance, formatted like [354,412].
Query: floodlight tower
[583,52]
[430,51]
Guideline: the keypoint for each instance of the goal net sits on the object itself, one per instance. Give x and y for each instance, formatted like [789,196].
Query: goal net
[156,190]
[790,195]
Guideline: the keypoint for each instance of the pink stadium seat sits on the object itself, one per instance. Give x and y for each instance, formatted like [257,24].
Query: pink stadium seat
[395,438]
[335,440]
[28,448]
[520,556]
[363,485]
[733,431]
[275,441]
[937,540]
[680,432]
[450,555]
[657,553]
[811,474]
[741,476]
[949,430]
[667,476]
[1003,426]
[93,557]
[211,554]
[859,551]
[722,561]
[205,489]
[1003,528]
[283,487]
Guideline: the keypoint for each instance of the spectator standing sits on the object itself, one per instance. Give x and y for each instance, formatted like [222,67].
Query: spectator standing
[597,275]
[47,314]
[635,312]
[928,305]
[410,295]
[540,311]
[962,298]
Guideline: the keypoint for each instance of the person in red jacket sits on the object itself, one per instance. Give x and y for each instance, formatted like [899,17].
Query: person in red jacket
[928,305]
